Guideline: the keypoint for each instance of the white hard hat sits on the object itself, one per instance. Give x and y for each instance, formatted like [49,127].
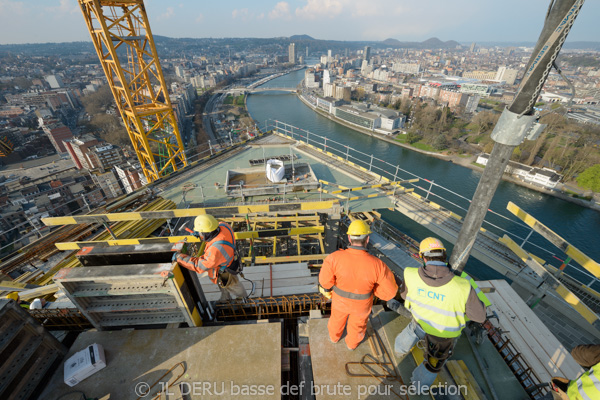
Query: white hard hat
[36,305]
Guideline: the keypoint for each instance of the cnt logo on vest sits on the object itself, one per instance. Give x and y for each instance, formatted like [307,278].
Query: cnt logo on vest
[430,294]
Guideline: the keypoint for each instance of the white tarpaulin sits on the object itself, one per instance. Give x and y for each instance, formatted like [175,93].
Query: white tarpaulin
[275,170]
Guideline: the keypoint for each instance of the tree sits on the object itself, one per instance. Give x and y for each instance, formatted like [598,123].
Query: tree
[439,142]
[590,178]
[413,137]
[99,101]
[485,120]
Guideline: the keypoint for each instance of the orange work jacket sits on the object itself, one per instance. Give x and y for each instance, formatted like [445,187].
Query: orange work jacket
[355,276]
[218,254]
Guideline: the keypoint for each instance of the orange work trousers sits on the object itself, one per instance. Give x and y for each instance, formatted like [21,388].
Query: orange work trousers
[355,331]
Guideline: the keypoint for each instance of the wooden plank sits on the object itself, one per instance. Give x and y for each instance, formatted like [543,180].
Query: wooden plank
[556,352]
[38,292]
[14,286]
[462,376]
[513,329]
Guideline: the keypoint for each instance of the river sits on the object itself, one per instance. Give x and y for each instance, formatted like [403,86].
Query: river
[578,225]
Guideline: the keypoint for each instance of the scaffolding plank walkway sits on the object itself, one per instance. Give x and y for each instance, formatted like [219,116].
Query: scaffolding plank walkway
[546,355]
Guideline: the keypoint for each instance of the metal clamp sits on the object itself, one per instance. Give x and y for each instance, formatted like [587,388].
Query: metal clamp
[512,129]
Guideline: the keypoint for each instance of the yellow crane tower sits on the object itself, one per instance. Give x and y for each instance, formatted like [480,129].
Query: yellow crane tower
[120,29]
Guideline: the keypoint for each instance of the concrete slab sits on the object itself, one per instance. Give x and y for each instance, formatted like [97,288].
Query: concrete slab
[330,380]
[212,194]
[222,362]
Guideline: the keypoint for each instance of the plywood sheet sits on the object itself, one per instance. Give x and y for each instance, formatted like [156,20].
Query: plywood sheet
[329,363]
[219,359]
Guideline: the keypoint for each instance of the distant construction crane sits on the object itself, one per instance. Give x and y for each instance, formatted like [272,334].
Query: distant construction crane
[6,147]
[120,29]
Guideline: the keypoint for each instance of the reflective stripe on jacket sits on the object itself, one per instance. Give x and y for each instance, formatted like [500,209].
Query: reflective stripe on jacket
[218,254]
[354,275]
[440,311]
[480,294]
[587,386]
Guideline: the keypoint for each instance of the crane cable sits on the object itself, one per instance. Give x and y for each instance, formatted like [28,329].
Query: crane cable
[559,35]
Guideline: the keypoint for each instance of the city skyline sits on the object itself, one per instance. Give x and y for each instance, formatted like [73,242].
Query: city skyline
[41,21]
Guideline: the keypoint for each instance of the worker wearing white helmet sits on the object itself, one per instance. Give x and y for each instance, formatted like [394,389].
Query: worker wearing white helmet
[219,258]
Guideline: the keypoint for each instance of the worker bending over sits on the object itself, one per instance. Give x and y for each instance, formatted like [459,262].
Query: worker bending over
[440,303]
[218,258]
[587,386]
[354,276]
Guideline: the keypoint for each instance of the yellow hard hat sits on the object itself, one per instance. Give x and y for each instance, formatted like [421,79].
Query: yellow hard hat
[13,296]
[205,223]
[359,228]
[431,247]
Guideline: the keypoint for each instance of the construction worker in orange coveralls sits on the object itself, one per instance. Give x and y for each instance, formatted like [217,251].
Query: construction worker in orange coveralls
[219,255]
[350,278]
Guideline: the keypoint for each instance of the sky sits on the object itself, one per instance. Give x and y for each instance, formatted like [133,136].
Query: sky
[40,21]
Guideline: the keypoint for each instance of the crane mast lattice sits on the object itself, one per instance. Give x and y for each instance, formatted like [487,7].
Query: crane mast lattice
[120,30]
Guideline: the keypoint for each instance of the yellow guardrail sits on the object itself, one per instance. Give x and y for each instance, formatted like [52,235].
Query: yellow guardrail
[188,212]
[266,233]
[586,262]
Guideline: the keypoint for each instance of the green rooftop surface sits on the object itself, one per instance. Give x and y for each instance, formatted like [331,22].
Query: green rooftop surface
[214,196]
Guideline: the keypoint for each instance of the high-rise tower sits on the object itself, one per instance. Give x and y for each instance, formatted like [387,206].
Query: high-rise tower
[292,53]
[367,53]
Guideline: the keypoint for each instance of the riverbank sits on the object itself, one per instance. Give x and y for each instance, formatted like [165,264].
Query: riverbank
[455,159]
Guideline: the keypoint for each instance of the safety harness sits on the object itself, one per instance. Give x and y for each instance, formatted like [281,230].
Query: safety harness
[231,264]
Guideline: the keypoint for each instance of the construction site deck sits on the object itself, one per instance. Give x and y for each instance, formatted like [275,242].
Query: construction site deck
[110,280]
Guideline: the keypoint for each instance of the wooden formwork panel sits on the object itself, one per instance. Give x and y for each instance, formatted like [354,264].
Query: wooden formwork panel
[125,295]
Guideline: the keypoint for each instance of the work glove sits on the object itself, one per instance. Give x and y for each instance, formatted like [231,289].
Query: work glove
[396,306]
[325,292]
[175,255]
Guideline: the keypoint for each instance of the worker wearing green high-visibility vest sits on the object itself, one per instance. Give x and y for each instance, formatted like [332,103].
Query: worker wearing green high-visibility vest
[587,385]
[440,303]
